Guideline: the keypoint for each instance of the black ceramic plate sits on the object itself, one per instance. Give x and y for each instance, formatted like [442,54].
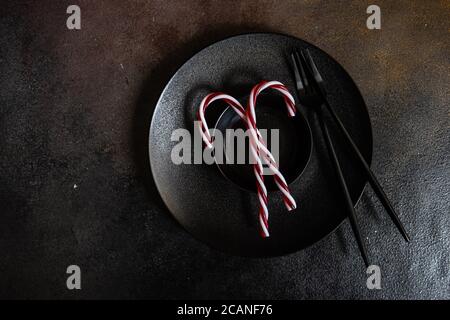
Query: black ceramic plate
[210,206]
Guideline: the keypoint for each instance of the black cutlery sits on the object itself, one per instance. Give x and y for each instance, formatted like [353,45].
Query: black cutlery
[370,175]
[309,96]
[311,91]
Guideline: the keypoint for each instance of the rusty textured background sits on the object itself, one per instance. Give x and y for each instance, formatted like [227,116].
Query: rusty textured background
[75,108]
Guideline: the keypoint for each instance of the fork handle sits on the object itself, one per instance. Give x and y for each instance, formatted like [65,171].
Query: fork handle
[371,177]
[343,185]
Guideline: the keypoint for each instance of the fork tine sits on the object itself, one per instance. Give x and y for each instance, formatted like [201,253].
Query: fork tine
[301,67]
[313,67]
[298,79]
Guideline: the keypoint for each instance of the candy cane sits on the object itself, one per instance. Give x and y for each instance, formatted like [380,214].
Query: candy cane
[258,168]
[251,119]
[257,144]
[210,98]
[237,107]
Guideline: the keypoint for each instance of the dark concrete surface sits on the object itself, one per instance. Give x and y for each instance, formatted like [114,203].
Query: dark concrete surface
[75,110]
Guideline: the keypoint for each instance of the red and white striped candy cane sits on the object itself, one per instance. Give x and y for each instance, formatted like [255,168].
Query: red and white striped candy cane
[239,109]
[251,118]
[204,130]
[257,143]
[258,167]
[210,98]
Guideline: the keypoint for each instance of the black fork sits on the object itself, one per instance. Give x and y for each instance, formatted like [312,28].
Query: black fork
[353,148]
[310,94]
